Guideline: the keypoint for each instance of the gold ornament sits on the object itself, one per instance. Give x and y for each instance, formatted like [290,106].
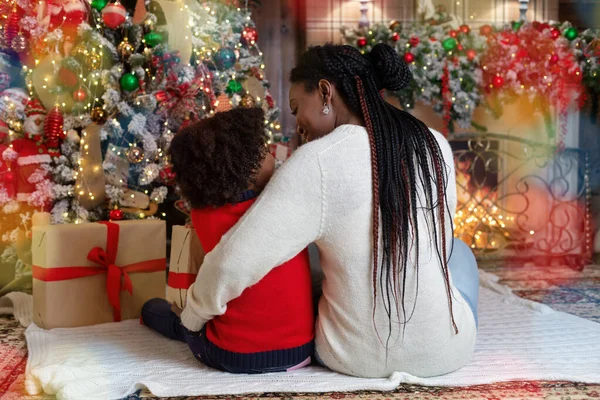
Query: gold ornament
[99,115]
[148,25]
[125,49]
[248,101]
[135,155]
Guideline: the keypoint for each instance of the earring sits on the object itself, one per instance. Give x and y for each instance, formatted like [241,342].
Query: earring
[325,109]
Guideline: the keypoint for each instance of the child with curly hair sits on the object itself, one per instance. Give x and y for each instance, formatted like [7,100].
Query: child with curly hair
[221,164]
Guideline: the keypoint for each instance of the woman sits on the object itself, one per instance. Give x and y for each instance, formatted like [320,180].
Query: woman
[375,190]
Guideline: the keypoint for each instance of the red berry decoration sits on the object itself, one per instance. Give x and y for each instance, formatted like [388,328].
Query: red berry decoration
[553,59]
[361,42]
[409,57]
[113,15]
[53,130]
[460,47]
[498,81]
[270,101]
[522,53]
[453,33]
[555,33]
[249,36]
[414,41]
[471,54]
[395,36]
[80,95]
[116,214]
[465,29]
[167,176]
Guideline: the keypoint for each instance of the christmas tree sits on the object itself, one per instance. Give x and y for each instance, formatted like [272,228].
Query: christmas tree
[102,89]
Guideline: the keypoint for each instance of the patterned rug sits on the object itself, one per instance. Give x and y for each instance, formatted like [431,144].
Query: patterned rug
[560,287]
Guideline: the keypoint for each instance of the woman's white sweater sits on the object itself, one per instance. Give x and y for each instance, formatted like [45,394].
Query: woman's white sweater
[323,194]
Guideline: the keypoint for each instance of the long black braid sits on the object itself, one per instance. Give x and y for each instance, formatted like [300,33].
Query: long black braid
[404,156]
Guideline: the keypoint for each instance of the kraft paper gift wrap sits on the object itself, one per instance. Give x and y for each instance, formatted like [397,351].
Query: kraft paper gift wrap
[187,255]
[94,273]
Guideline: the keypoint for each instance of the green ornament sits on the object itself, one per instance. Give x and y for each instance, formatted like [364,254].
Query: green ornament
[153,38]
[449,44]
[129,82]
[571,33]
[516,25]
[233,86]
[99,4]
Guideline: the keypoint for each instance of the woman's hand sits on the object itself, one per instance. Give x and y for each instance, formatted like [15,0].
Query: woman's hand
[175,308]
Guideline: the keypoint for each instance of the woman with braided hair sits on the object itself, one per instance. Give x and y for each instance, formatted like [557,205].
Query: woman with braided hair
[375,190]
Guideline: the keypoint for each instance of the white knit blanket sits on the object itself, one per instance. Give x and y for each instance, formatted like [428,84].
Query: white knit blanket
[518,340]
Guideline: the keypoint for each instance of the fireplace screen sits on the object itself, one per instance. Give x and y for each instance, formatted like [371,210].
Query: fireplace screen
[522,200]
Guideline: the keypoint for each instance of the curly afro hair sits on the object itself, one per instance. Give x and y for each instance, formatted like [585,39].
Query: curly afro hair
[217,158]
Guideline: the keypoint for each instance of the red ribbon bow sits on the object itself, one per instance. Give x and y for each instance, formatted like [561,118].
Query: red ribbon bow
[105,259]
[179,98]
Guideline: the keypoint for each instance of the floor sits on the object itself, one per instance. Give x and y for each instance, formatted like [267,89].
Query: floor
[560,287]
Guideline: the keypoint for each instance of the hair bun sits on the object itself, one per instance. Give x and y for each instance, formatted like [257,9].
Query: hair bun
[390,71]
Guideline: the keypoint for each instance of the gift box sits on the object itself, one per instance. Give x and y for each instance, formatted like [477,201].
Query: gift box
[87,274]
[187,255]
[280,151]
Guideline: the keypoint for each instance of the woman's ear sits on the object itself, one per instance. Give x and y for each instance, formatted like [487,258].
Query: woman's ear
[325,90]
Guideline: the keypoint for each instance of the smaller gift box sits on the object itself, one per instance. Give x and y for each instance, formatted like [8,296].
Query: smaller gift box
[187,255]
[87,274]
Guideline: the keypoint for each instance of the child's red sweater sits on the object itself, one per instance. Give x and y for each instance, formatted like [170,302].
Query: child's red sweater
[274,314]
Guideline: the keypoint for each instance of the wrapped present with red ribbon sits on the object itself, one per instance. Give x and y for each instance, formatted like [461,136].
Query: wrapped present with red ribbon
[280,151]
[95,273]
[187,255]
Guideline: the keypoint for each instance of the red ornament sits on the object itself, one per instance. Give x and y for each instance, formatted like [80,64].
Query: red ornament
[116,214]
[485,30]
[471,54]
[414,41]
[459,47]
[361,42]
[67,78]
[270,101]
[553,59]
[11,29]
[498,81]
[465,29]
[395,36]
[113,15]
[53,129]
[167,176]
[249,36]
[76,13]
[453,33]
[555,33]
[409,57]
[80,95]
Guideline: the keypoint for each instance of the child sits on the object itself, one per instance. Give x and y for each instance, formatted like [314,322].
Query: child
[221,164]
